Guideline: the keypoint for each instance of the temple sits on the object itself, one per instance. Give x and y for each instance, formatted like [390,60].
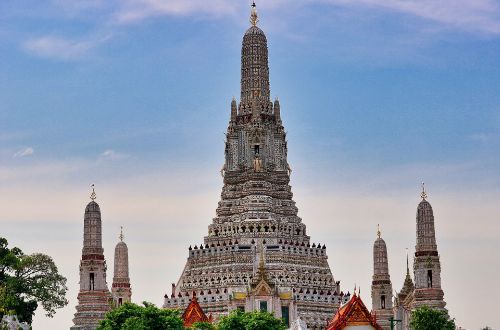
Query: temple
[94,297]
[257,254]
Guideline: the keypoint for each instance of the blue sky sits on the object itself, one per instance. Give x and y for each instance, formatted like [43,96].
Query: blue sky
[134,96]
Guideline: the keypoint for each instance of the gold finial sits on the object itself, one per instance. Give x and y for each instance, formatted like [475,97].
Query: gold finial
[254,19]
[407,264]
[378,230]
[423,194]
[93,196]
[121,234]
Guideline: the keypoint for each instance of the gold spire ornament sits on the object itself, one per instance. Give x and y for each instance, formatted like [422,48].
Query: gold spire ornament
[423,194]
[93,196]
[378,231]
[254,19]
[121,234]
[407,264]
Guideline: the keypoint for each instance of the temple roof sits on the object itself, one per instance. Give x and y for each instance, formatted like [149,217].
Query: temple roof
[353,313]
[194,313]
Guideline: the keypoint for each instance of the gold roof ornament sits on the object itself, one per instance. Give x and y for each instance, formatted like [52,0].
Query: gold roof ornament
[378,231]
[254,19]
[423,194]
[121,234]
[407,264]
[93,196]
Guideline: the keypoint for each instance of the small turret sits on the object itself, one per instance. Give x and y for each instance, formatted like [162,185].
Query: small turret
[277,111]
[234,111]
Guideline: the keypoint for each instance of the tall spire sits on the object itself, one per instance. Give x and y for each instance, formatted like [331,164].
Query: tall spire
[94,296]
[381,283]
[120,289]
[426,265]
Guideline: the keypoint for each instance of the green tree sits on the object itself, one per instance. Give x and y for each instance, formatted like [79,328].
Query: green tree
[130,316]
[203,326]
[29,280]
[238,320]
[425,318]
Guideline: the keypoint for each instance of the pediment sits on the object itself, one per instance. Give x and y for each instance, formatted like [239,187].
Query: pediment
[263,289]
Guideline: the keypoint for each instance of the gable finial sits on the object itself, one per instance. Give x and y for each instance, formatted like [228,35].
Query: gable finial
[378,231]
[121,234]
[423,194]
[93,196]
[254,19]
[407,264]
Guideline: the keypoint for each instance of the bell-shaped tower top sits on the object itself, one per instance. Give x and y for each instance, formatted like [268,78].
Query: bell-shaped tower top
[426,235]
[254,63]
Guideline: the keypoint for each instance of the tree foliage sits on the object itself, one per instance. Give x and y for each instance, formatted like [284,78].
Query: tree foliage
[425,318]
[29,280]
[130,316]
[238,320]
[203,326]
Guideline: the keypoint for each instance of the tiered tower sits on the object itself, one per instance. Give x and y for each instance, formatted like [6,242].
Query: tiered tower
[257,216]
[120,289]
[381,284]
[94,297]
[426,266]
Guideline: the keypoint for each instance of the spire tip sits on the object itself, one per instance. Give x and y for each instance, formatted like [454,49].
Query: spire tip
[423,194]
[93,195]
[254,19]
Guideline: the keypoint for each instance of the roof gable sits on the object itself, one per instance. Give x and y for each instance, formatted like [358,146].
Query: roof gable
[353,313]
[194,313]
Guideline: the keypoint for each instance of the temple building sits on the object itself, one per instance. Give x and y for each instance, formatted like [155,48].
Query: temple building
[381,284]
[120,289]
[257,254]
[354,316]
[94,297]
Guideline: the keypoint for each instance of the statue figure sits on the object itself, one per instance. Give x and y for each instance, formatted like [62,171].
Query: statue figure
[257,164]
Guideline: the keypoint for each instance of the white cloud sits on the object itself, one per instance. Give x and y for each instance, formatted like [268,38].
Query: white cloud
[112,155]
[137,10]
[28,151]
[470,15]
[62,48]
